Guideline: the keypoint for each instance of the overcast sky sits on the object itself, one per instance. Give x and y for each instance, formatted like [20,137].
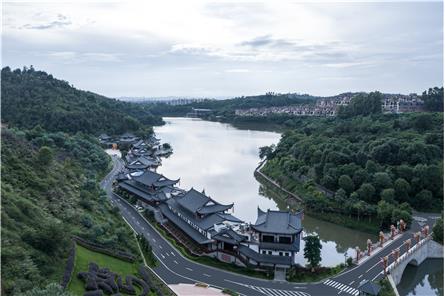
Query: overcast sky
[192,48]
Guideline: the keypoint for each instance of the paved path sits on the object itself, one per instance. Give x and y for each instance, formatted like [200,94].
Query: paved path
[174,268]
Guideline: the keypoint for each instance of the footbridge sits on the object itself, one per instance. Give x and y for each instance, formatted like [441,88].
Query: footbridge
[424,249]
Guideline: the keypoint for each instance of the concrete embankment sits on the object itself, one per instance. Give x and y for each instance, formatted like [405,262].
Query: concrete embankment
[274,183]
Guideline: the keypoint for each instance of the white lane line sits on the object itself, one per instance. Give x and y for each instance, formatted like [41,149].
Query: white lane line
[173,254]
[175,261]
[360,276]
[189,269]
[207,275]
[168,255]
[351,282]
[377,276]
[154,240]
[160,247]
[373,266]
[163,257]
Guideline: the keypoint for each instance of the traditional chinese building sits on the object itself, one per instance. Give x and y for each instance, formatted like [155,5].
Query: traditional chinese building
[198,215]
[148,186]
[142,163]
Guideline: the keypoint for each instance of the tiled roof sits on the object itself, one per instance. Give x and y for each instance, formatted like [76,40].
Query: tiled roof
[280,222]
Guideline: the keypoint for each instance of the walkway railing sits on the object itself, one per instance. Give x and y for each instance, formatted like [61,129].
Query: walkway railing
[408,254]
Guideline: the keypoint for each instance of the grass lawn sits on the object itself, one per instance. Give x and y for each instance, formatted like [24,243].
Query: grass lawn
[85,256]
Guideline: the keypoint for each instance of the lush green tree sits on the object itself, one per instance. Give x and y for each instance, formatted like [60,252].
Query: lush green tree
[340,195]
[388,195]
[384,212]
[359,207]
[45,155]
[360,176]
[345,182]
[398,214]
[423,122]
[423,199]
[312,250]
[31,98]
[433,99]
[371,167]
[382,181]
[401,190]
[438,230]
[366,192]
[52,289]
[266,151]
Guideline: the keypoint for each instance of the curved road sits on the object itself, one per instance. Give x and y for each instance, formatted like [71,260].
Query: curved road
[175,269]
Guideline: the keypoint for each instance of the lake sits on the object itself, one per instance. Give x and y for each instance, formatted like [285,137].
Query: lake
[220,159]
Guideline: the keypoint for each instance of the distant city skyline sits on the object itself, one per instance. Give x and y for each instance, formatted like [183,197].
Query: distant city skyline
[196,49]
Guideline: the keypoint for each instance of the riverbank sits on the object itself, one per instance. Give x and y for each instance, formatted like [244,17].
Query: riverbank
[292,193]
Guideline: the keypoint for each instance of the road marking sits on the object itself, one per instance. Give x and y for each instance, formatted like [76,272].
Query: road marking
[189,269]
[351,282]
[207,275]
[163,257]
[373,266]
[377,276]
[360,276]
[168,255]
[160,247]
[175,261]
[153,239]
[173,254]
[341,287]
[271,292]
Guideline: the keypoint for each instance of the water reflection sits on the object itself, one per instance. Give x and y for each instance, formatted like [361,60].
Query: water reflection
[425,279]
[221,159]
[336,240]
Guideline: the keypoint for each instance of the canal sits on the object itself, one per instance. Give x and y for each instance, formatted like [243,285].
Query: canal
[220,159]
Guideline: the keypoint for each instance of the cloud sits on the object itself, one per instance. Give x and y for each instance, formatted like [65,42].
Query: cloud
[197,48]
[237,71]
[71,57]
[59,22]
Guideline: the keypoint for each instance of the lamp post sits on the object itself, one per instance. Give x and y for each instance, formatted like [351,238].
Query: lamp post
[369,243]
[382,238]
[393,231]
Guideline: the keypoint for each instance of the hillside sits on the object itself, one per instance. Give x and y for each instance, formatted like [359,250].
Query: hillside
[31,98]
[227,107]
[49,193]
[376,166]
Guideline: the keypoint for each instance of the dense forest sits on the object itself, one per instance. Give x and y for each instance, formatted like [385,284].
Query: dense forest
[31,98]
[51,167]
[366,165]
[49,193]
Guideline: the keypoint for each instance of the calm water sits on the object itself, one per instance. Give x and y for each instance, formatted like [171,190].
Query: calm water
[220,159]
[424,280]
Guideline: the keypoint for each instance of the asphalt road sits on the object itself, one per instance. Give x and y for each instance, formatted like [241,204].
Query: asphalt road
[175,269]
